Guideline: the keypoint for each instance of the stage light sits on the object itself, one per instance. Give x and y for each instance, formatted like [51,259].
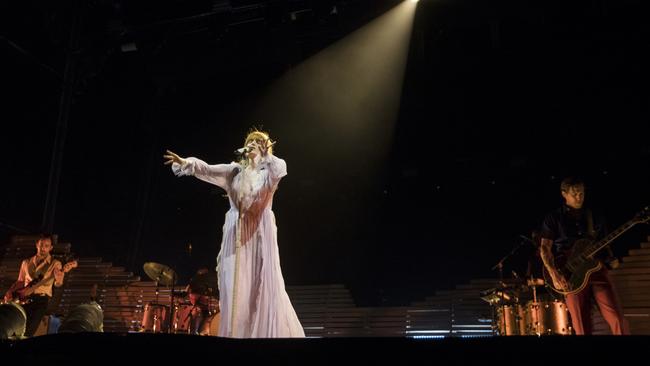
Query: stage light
[87,317]
[13,321]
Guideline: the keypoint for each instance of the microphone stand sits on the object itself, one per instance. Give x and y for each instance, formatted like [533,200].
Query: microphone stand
[499,264]
[501,293]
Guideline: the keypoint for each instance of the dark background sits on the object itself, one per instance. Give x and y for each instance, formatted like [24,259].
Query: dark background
[500,101]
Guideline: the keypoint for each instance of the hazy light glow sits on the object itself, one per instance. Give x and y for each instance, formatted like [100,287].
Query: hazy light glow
[348,94]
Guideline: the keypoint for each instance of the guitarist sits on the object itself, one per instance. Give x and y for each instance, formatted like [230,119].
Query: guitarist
[37,276]
[560,230]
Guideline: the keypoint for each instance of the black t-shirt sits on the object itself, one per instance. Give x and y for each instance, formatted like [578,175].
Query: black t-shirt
[566,225]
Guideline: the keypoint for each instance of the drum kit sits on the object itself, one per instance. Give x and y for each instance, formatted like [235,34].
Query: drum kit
[525,307]
[182,315]
[518,309]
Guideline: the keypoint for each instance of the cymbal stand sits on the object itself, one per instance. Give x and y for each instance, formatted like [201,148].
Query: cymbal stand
[171,304]
[157,288]
[155,313]
[501,294]
[537,308]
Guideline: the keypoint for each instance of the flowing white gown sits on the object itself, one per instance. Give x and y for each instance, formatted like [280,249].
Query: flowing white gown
[253,299]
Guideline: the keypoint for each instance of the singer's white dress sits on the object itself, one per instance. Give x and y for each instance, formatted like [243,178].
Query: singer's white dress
[253,300]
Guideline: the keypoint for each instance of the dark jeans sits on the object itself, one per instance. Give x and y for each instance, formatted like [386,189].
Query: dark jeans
[35,310]
[198,316]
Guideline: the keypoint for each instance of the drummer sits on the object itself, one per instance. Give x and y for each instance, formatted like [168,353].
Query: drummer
[198,290]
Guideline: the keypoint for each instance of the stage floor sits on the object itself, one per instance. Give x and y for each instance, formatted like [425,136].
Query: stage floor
[116,348]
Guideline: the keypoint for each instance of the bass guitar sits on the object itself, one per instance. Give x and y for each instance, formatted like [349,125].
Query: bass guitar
[577,264]
[21,293]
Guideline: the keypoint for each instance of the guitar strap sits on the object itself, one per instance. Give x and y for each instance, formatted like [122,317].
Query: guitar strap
[44,267]
[590,225]
[44,276]
[592,235]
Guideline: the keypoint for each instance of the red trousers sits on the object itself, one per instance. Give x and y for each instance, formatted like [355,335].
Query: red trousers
[601,289]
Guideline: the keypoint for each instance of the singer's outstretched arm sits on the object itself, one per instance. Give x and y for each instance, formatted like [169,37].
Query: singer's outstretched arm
[219,174]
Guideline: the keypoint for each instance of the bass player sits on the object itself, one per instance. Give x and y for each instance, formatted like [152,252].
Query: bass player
[560,231]
[37,275]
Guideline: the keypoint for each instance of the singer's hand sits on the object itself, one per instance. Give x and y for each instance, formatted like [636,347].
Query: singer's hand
[173,158]
[264,146]
[260,147]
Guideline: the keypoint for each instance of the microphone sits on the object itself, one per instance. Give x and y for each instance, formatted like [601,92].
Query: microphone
[243,150]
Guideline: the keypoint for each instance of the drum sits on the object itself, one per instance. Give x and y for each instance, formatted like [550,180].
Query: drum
[211,325]
[510,320]
[547,318]
[184,315]
[155,318]
[13,321]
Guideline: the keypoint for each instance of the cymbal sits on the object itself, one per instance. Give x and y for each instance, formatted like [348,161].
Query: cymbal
[160,273]
[205,283]
[495,295]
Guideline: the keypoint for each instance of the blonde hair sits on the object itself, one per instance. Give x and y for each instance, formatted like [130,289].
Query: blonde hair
[253,135]
[256,134]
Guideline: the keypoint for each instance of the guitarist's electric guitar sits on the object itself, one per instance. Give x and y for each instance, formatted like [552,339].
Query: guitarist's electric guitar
[579,263]
[21,294]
